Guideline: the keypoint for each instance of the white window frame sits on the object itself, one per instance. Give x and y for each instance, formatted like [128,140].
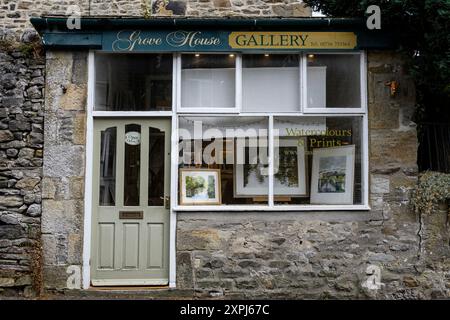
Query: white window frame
[238,87]
[303,112]
[363,85]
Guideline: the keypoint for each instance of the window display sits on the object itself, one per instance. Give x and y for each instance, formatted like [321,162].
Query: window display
[234,113]
[213,143]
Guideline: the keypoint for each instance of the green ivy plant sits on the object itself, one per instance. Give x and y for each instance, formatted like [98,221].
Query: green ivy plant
[432,190]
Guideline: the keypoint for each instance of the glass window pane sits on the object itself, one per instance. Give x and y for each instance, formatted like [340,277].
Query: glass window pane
[208,81]
[234,149]
[333,81]
[108,167]
[133,82]
[270,83]
[318,160]
[156,167]
[132,165]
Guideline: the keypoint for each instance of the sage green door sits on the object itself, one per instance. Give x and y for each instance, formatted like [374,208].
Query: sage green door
[130,227]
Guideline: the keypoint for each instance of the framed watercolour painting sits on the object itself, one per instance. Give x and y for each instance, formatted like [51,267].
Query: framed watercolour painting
[251,179]
[200,186]
[332,175]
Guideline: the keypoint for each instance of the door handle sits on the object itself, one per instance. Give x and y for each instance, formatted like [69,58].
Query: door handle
[166,200]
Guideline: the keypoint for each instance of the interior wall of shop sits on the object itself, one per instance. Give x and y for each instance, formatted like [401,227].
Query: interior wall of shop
[248,254]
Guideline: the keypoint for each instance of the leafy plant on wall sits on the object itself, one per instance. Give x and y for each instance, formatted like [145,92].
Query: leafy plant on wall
[432,191]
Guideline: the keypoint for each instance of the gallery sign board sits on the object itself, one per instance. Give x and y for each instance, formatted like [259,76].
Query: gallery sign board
[224,41]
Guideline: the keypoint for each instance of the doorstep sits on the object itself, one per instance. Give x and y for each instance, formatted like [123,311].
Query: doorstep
[125,293]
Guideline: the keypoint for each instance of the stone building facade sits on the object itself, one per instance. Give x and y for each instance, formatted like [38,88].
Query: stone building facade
[229,254]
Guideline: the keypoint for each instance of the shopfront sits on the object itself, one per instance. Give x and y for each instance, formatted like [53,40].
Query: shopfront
[210,117]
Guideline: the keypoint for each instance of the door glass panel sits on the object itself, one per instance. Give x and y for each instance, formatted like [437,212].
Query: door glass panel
[108,167]
[156,167]
[132,164]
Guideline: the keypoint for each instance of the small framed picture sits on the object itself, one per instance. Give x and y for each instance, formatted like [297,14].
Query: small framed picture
[332,175]
[200,186]
[251,178]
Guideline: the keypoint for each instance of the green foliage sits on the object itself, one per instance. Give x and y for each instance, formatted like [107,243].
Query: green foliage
[423,29]
[433,189]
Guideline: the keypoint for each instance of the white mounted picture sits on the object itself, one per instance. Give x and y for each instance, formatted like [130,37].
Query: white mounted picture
[332,175]
[200,186]
[251,179]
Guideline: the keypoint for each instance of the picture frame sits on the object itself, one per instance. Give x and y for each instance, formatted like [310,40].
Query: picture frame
[290,171]
[332,177]
[200,186]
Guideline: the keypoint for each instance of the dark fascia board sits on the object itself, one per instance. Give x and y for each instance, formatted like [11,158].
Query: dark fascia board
[55,33]
[53,23]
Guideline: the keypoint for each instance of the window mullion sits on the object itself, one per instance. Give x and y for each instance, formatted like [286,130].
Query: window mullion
[271,161]
[178,81]
[238,69]
[304,84]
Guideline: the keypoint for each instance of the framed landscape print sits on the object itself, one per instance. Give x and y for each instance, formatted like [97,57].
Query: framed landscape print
[332,175]
[289,171]
[200,186]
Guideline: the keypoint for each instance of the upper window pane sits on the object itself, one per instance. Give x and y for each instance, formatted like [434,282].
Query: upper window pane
[133,82]
[334,81]
[208,81]
[270,83]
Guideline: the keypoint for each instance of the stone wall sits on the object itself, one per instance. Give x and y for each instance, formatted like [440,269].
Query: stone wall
[326,255]
[64,160]
[15,15]
[297,255]
[21,145]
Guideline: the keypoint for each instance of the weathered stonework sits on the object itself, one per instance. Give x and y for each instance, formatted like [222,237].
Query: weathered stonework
[21,145]
[64,160]
[250,255]
[14,19]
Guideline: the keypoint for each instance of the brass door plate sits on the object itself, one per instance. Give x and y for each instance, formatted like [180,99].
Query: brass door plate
[131,215]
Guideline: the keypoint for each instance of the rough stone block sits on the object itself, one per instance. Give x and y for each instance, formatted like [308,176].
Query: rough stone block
[55,277]
[62,216]
[75,248]
[6,282]
[74,97]
[11,201]
[76,187]
[64,161]
[48,186]
[27,183]
[184,270]
[79,129]
[391,148]
[384,116]
[379,184]
[198,239]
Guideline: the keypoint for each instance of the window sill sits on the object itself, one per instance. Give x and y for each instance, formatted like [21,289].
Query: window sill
[274,208]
